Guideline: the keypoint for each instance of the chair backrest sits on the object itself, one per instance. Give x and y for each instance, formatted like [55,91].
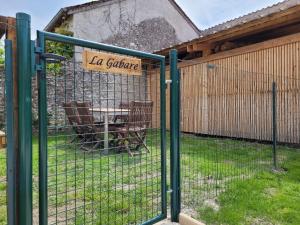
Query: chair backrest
[140,114]
[85,115]
[71,112]
[124,105]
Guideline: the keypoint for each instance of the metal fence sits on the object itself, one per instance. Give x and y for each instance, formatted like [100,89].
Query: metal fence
[242,117]
[105,160]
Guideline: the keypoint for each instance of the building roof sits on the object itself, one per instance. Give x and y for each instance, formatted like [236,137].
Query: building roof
[63,13]
[259,17]
[281,6]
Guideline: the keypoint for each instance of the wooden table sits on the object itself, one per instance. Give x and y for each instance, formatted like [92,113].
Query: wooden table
[108,112]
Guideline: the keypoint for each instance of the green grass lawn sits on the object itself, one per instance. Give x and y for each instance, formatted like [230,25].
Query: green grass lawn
[86,188]
[232,182]
[223,182]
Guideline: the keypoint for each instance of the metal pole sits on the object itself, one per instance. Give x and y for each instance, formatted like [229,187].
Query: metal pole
[11,34]
[43,139]
[163,136]
[274,118]
[11,159]
[175,121]
[24,195]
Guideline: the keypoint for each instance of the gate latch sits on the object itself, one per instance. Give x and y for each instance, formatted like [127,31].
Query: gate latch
[53,58]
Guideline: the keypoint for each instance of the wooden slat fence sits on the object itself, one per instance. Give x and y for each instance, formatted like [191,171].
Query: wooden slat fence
[230,94]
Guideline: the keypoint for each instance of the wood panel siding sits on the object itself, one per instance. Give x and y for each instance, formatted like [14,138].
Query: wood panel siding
[231,95]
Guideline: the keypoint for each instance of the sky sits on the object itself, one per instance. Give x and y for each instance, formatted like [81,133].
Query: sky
[204,13]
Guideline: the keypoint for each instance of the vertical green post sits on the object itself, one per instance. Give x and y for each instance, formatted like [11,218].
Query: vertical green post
[24,191]
[11,159]
[43,151]
[163,136]
[175,125]
[274,126]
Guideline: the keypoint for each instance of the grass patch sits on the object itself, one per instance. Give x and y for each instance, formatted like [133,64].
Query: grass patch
[232,182]
[223,182]
[86,188]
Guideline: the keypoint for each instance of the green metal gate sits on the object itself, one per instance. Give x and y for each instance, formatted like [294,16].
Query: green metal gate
[86,175]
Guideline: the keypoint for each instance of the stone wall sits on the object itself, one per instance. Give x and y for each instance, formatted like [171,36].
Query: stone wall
[75,84]
[100,89]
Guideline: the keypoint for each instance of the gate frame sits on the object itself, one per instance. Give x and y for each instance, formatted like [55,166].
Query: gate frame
[175,136]
[42,37]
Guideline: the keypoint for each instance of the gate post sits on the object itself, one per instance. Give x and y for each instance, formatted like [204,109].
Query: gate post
[175,126]
[43,151]
[24,173]
[11,159]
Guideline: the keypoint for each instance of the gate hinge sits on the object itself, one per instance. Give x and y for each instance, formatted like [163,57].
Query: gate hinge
[38,50]
[33,59]
[38,67]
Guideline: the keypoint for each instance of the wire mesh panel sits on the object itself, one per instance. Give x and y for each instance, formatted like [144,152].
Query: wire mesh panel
[105,162]
[287,126]
[3,180]
[226,132]
[287,108]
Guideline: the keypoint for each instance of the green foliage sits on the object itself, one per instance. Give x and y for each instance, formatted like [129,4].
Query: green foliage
[61,49]
[1,55]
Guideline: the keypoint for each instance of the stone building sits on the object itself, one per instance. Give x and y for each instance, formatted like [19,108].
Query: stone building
[137,24]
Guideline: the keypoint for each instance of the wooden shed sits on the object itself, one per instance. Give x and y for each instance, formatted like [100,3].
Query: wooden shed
[227,76]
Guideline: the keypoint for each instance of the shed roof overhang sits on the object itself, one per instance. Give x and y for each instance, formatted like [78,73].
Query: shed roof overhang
[270,22]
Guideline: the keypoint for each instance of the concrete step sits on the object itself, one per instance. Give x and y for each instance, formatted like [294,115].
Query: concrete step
[166,222]
[184,220]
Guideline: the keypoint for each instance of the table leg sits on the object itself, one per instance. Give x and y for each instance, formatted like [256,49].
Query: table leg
[106,144]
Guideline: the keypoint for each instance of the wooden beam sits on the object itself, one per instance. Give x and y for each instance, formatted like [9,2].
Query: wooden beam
[272,21]
[207,52]
[205,48]
[247,49]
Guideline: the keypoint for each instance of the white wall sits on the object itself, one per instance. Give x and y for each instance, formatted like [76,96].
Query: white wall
[115,17]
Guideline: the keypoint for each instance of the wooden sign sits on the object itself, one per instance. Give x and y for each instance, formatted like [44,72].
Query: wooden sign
[111,63]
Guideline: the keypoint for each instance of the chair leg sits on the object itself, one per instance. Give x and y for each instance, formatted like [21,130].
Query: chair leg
[125,140]
[97,145]
[128,150]
[73,139]
[141,140]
